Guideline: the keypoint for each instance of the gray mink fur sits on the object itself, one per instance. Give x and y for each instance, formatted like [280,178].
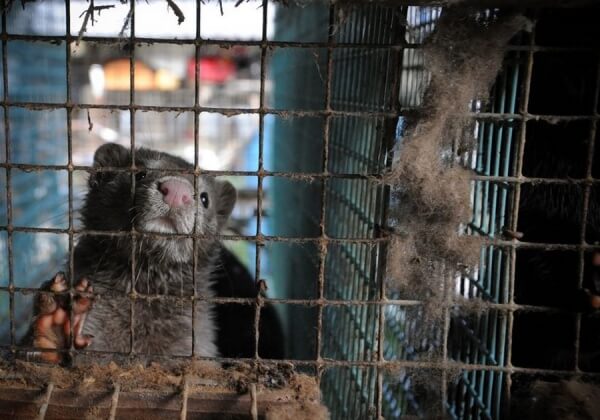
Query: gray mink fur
[163,266]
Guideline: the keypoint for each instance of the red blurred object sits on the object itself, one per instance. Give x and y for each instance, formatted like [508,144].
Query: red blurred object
[213,69]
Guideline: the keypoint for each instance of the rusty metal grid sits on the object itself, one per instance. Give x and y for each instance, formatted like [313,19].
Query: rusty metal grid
[497,192]
[333,240]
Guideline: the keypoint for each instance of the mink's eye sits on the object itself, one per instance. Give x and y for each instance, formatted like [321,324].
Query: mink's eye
[140,175]
[204,199]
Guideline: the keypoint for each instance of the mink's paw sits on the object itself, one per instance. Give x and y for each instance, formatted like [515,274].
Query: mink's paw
[593,295]
[53,308]
[588,297]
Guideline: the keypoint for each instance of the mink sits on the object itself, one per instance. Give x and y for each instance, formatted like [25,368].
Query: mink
[144,283]
[553,213]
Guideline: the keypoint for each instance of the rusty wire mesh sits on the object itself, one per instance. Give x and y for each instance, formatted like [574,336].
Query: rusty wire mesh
[365,73]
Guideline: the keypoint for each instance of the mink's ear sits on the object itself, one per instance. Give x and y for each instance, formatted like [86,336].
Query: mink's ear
[108,155]
[111,154]
[226,196]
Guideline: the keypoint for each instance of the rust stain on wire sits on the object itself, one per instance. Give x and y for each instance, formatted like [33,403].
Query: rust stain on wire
[289,113]
[114,402]
[324,189]
[514,213]
[196,169]
[259,190]
[184,399]
[132,290]
[69,111]
[46,402]
[9,212]
[254,402]
[272,44]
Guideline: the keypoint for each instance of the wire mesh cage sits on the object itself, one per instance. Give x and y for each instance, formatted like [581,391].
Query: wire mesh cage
[305,114]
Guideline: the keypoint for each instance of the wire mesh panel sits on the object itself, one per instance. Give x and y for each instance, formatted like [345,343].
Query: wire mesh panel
[482,338]
[70,86]
[301,111]
[568,152]
[355,83]
[36,73]
[513,154]
[521,326]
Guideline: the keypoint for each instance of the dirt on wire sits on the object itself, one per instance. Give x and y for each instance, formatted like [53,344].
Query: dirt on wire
[431,189]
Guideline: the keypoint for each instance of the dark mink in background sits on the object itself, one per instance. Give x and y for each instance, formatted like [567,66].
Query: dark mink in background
[563,83]
[235,333]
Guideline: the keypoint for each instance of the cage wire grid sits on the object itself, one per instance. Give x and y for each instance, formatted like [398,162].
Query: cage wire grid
[359,386]
[502,134]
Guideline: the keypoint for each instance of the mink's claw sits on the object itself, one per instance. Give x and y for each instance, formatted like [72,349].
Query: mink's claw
[593,300]
[84,299]
[81,306]
[594,295]
[82,341]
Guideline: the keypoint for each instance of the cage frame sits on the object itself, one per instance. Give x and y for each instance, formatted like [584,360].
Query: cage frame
[383,236]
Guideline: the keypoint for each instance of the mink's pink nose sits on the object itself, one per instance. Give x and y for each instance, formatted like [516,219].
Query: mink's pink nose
[176,193]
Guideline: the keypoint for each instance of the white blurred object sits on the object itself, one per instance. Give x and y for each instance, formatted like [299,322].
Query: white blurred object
[207,158]
[97,81]
[108,134]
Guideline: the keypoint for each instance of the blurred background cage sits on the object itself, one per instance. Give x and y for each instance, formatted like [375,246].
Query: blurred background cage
[301,107]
